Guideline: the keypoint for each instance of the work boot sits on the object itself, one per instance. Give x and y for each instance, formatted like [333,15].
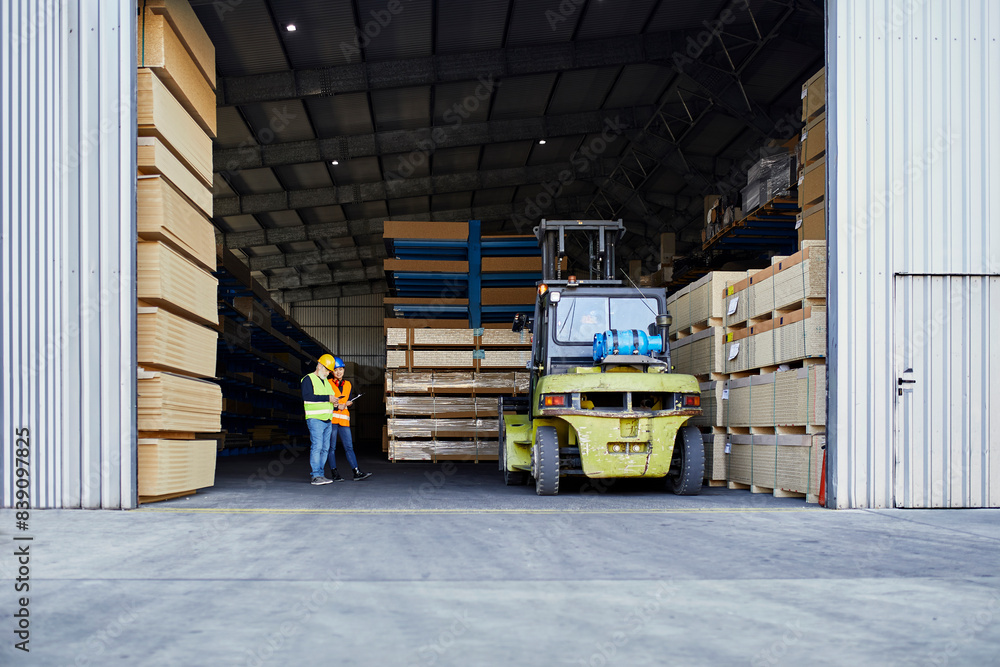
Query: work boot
[335,476]
[358,475]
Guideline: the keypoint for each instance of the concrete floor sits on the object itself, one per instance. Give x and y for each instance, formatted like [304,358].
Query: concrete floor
[440,564]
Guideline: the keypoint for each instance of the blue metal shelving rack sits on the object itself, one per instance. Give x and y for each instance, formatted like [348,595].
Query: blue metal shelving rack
[437,287]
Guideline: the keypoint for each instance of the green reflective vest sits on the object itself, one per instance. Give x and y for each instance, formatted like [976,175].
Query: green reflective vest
[319,409]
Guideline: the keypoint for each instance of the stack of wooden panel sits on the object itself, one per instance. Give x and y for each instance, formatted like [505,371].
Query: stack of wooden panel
[782,464]
[176,255]
[778,315]
[812,181]
[701,304]
[494,346]
[434,414]
[712,422]
[774,353]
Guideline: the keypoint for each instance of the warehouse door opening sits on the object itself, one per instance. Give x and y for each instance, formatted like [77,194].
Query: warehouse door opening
[945,452]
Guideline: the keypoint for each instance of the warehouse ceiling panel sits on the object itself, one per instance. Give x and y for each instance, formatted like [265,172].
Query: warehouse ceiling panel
[278,122]
[582,90]
[255,182]
[615,19]
[464,26]
[522,96]
[456,160]
[233,132]
[402,108]
[305,176]
[406,33]
[438,109]
[341,115]
[245,36]
[238,223]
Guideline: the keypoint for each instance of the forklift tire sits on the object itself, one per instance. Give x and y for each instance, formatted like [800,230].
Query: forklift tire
[546,461]
[687,470]
[510,477]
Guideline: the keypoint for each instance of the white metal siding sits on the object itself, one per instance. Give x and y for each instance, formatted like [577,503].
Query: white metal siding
[67,252]
[914,89]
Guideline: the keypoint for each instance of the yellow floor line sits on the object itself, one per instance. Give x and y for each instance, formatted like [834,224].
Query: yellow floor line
[234,510]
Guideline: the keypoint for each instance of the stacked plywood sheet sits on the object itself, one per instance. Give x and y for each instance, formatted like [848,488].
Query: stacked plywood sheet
[169,402]
[434,410]
[795,397]
[799,335]
[171,342]
[700,353]
[700,304]
[491,347]
[782,464]
[168,468]
[811,223]
[176,251]
[715,457]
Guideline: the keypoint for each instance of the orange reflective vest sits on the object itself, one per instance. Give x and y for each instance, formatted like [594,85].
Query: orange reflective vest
[341,416]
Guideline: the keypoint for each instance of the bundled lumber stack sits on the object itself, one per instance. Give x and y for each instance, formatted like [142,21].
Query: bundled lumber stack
[436,413]
[811,224]
[176,254]
[494,346]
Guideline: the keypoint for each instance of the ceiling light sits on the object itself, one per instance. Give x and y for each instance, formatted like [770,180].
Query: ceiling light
[335,162]
[290,27]
[541,142]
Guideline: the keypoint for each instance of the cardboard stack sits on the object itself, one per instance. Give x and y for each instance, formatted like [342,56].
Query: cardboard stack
[175,258]
[811,224]
[442,388]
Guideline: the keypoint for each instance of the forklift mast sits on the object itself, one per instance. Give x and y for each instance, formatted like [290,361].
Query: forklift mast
[600,237]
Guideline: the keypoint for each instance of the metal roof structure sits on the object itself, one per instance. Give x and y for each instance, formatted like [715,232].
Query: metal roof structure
[505,111]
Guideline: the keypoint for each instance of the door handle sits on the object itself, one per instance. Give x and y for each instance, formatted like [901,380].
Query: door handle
[899,385]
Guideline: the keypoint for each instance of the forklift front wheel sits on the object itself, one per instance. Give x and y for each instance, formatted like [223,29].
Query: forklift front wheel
[687,469]
[546,461]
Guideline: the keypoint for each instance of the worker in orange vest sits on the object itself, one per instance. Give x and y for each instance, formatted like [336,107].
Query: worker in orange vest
[341,422]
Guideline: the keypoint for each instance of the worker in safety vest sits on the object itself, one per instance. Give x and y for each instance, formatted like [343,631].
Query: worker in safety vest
[319,403]
[342,423]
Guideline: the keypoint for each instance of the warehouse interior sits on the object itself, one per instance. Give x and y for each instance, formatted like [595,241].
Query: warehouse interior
[340,125]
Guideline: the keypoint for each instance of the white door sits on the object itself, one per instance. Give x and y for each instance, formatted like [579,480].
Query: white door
[947,361]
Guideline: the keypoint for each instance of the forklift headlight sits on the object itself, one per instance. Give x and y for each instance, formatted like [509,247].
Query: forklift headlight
[554,297]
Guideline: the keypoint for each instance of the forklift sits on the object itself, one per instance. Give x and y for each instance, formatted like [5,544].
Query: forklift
[603,401]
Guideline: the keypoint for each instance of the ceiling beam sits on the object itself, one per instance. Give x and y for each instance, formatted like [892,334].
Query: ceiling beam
[427,139]
[278,235]
[260,237]
[318,278]
[320,256]
[484,66]
[552,174]
[329,291]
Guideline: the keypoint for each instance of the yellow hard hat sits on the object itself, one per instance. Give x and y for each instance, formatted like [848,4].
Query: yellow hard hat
[328,361]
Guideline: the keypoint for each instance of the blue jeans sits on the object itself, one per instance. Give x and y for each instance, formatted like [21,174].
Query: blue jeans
[320,434]
[345,439]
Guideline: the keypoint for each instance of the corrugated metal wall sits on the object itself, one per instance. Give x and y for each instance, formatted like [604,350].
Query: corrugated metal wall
[353,328]
[914,89]
[67,252]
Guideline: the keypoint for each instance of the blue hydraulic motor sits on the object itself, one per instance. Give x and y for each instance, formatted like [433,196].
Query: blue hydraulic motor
[626,341]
